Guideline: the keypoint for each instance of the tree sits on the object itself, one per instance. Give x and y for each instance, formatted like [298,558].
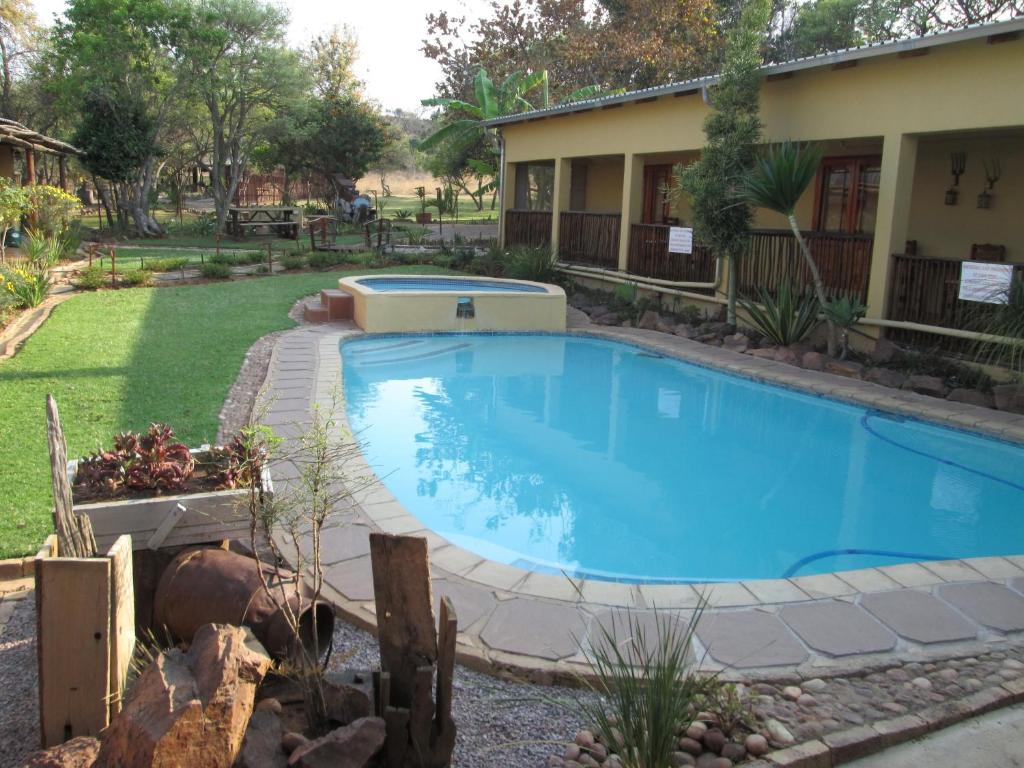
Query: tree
[331,59]
[348,136]
[714,182]
[13,205]
[777,182]
[17,30]
[233,55]
[819,26]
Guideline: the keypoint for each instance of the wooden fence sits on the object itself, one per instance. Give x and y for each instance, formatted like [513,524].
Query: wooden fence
[589,238]
[268,189]
[530,228]
[774,257]
[649,257]
[926,291]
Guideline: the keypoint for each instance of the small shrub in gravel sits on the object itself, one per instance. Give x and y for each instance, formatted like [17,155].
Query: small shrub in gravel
[92,278]
[165,265]
[292,261]
[215,271]
[134,278]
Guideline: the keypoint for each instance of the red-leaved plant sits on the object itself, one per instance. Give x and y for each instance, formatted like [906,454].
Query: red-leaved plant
[152,461]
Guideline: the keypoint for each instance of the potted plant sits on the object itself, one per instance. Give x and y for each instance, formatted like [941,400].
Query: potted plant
[163,493]
[424,216]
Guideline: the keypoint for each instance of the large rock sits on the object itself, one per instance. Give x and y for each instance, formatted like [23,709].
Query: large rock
[262,747]
[79,752]
[884,351]
[813,361]
[765,353]
[886,377]
[685,331]
[785,355]
[650,320]
[971,397]
[348,695]
[352,746]
[1009,397]
[737,342]
[932,386]
[190,709]
[847,368]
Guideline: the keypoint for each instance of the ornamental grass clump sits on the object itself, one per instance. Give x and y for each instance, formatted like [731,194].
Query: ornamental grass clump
[1002,323]
[28,287]
[647,682]
[784,318]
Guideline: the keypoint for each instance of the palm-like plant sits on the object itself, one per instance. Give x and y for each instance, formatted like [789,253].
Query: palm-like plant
[785,318]
[777,182]
[844,312]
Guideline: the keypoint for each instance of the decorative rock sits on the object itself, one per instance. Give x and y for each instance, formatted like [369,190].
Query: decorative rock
[291,741]
[1011,664]
[1009,397]
[884,351]
[720,762]
[613,761]
[269,705]
[681,759]
[737,342]
[734,751]
[585,739]
[195,704]
[599,752]
[813,361]
[847,368]
[690,746]
[923,683]
[756,744]
[706,760]
[971,397]
[697,730]
[785,355]
[587,761]
[79,752]
[685,331]
[572,752]
[348,695]
[351,746]
[706,717]
[555,762]
[714,740]
[806,700]
[261,747]
[932,386]
[649,320]
[814,685]
[767,353]
[898,674]
[778,734]
[792,692]
[886,377]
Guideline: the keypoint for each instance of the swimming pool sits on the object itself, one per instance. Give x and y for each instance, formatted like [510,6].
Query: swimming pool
[447,284]
[604,460]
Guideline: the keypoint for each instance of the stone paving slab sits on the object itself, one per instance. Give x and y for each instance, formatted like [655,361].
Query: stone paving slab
[513,619]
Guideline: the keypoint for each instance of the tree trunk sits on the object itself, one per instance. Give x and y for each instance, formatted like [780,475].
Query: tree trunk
[104,195]
[730,311]
[819,287]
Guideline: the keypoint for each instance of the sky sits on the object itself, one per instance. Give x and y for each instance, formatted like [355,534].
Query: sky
[396,73]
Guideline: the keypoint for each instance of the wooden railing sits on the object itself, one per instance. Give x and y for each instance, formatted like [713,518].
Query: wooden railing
[926,291]
[649,257]
[774,256]
[531,228]
[589,238]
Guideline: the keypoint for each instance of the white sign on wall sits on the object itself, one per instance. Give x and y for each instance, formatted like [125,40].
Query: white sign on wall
[680,240]
[985,281]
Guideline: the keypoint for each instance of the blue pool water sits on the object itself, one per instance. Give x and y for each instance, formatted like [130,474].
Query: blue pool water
[445,284]
[605,460]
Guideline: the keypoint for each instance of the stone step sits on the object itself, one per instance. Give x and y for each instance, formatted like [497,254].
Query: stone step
[339,304]
[315,312]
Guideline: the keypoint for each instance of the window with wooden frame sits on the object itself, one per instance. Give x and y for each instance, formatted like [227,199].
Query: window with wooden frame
[656,208]
[846,197]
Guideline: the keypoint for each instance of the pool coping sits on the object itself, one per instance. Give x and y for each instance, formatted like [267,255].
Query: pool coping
[586,601]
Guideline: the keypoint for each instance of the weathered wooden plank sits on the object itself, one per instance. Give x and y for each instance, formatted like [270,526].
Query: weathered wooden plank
[448,629]
[171,518]
[405,620]
[74,533]
[421,715]
[122,618]
[73,642]
[396,744]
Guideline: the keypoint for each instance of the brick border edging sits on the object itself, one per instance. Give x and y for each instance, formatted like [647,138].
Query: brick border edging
[863,740]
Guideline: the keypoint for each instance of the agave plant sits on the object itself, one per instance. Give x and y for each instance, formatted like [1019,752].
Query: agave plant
[777,182]
[784,318]
[844,312]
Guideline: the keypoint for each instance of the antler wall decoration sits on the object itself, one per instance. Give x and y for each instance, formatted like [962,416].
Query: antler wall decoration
[993,172]
[958,163]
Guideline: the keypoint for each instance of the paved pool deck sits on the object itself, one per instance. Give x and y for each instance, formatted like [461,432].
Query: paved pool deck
[527,624]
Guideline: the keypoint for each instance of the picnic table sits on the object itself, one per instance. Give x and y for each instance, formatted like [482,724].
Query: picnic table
[285,219]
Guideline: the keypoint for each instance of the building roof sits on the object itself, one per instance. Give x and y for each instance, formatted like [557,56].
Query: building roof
[20,136]
[1010,27]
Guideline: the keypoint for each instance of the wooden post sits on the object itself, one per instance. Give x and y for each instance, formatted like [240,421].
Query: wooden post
[62,165]
[30,166]
[420,729]
[74,532]
[270,258]
[113,267]
[217,239]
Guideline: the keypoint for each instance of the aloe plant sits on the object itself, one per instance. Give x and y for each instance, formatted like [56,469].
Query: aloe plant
[784,318]
[844,312]
[777,182]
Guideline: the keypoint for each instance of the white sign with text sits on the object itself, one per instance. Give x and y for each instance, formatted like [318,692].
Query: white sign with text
[680,240]
[985,281]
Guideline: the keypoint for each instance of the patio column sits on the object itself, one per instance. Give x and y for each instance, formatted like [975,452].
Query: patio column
[899,155]
[560,197]
[632,203]
[506,198]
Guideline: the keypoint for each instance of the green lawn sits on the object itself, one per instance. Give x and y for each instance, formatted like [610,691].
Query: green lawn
[118,360]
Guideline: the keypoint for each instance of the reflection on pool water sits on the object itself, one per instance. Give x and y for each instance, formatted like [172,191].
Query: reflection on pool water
[556,452]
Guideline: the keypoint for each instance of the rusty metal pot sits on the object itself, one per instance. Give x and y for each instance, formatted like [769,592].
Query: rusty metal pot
[204,586]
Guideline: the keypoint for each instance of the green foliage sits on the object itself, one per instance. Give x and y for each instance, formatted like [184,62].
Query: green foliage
[781,176]
[292,261]
[733,711]
[721,217]
[212,270]
[403,214]
[689,315]
[821,25]
[626,293]
[646,684]
[784,318]
[1004,320]
[326,259]
[536,264]
[490,263]
[14,204]
[349,135]
[134,278]
[843,313]
[27,286]
[52,206]
[117,135]
[92,278]
[166,265]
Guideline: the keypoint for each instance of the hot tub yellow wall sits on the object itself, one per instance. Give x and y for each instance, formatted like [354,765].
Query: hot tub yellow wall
[412,311]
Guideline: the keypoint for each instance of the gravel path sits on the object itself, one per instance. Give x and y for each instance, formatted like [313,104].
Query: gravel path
[491,715]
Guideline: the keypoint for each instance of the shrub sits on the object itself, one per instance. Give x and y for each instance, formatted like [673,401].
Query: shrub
[292,261]
[134,278]
[1004,319]
[844,312]
[327,259]
[92,278]
[732,710]
[28,287]
[403,215]
[52,207]
[490,263]
[784,318]
[166,265]
[215,271]
[690,315]
[536,264]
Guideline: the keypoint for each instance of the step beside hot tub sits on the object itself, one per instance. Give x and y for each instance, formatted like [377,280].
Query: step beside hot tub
[411,303]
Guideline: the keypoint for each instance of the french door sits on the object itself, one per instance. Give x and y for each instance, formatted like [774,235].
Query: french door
[847,194]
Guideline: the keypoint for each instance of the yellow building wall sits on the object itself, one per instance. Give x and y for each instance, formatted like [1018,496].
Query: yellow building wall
[947,231]
[604,184]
